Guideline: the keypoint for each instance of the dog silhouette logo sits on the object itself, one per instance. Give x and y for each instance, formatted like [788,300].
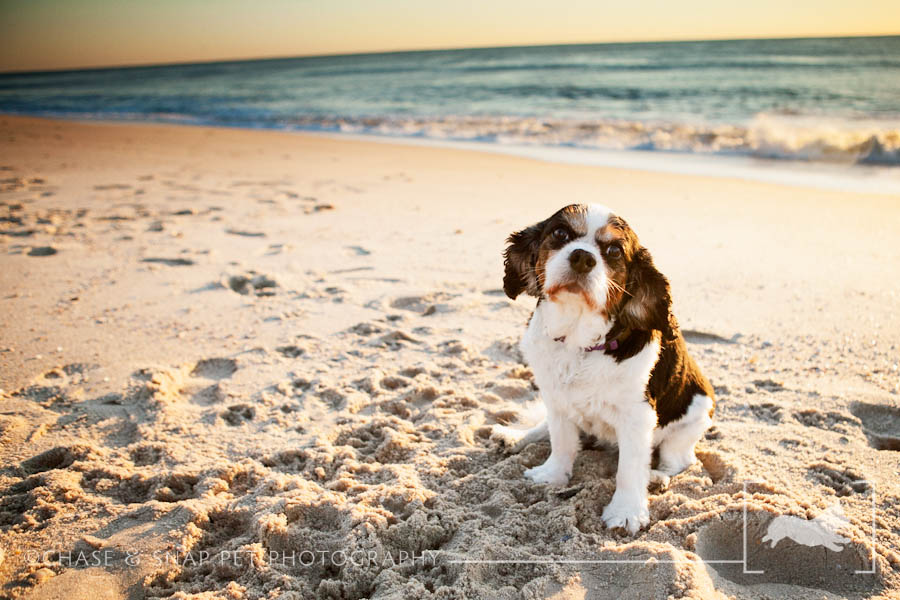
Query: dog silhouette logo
[820,531]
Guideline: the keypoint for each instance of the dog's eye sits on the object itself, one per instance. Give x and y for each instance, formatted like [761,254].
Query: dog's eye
[560,234]
[613,251]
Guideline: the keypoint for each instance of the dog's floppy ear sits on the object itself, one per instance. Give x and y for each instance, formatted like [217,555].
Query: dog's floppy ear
[647,300]
[520,261]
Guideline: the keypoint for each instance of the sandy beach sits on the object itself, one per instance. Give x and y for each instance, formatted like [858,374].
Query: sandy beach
[259,364]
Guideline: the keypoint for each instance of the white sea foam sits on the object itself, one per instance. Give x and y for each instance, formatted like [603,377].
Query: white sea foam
[766,136]
[827,140]
[870,179]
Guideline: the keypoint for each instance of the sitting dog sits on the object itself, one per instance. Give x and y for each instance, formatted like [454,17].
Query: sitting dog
[607,355]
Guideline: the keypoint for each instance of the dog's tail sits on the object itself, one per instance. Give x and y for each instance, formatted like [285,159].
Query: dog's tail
[516,439]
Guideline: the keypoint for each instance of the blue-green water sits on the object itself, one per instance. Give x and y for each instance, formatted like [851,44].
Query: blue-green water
[832,99]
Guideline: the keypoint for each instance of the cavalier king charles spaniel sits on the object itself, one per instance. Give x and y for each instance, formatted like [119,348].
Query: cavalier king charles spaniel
[607,355]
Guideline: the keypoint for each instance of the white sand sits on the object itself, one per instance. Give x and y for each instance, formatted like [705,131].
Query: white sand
[256,342]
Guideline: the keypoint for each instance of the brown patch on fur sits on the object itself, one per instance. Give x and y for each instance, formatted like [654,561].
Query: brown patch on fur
[615,290]
[617,232]
[646,315]
[646,301]
[576,215]
[611,232]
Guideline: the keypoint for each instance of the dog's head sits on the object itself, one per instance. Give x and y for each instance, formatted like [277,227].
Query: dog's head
[587,254]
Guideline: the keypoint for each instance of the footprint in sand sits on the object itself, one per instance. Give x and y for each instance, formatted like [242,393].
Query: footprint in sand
[252,283]
[317,208]
[394,340]
[768,385]
[807,563]
[426,304]
[217,531]
[141,488]
[286,461]
[14,184]
[170,262]
[215,368]
[19,232]
[17,502]
[112,186]
[60,457]
[238,414]
[766,412]
[705,337]
[212,394]
[42,251]
[380,439]
[366,328]
[245,233]
[829,421]
[274,249]
[291,351]
[881,423]
[146,453]
[395,382]
[264,183]
[176,487]
[843,480]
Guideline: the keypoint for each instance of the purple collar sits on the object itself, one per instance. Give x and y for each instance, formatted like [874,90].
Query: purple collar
[610,346]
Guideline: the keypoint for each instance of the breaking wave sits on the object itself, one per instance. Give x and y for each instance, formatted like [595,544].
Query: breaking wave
[766,136]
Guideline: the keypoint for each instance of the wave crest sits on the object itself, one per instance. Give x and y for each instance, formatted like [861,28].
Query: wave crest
[788,137]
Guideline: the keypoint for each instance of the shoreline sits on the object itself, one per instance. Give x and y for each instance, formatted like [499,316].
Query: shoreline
[825,175]
[868,179]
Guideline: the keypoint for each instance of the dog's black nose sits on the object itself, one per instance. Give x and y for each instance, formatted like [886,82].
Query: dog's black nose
[582,261]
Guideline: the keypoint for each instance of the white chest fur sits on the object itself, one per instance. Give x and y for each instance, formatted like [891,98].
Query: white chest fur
[589,389]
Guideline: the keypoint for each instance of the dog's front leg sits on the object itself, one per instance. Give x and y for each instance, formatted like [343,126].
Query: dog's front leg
[634,432]
[564,443]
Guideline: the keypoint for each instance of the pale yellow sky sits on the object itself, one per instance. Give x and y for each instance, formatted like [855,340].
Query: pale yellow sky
[57,34]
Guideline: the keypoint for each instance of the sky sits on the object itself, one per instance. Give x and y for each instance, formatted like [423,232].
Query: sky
[67,34]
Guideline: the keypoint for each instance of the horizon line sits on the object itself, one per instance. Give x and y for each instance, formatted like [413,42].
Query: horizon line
[416,50]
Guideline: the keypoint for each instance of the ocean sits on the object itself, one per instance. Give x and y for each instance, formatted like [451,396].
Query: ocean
[828,100]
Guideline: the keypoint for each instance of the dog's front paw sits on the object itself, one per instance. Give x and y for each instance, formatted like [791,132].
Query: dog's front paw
[626,511]
[659,479]
[548,473]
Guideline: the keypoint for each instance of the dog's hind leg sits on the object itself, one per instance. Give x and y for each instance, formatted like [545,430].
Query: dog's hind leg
[677,440]
[516,439]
